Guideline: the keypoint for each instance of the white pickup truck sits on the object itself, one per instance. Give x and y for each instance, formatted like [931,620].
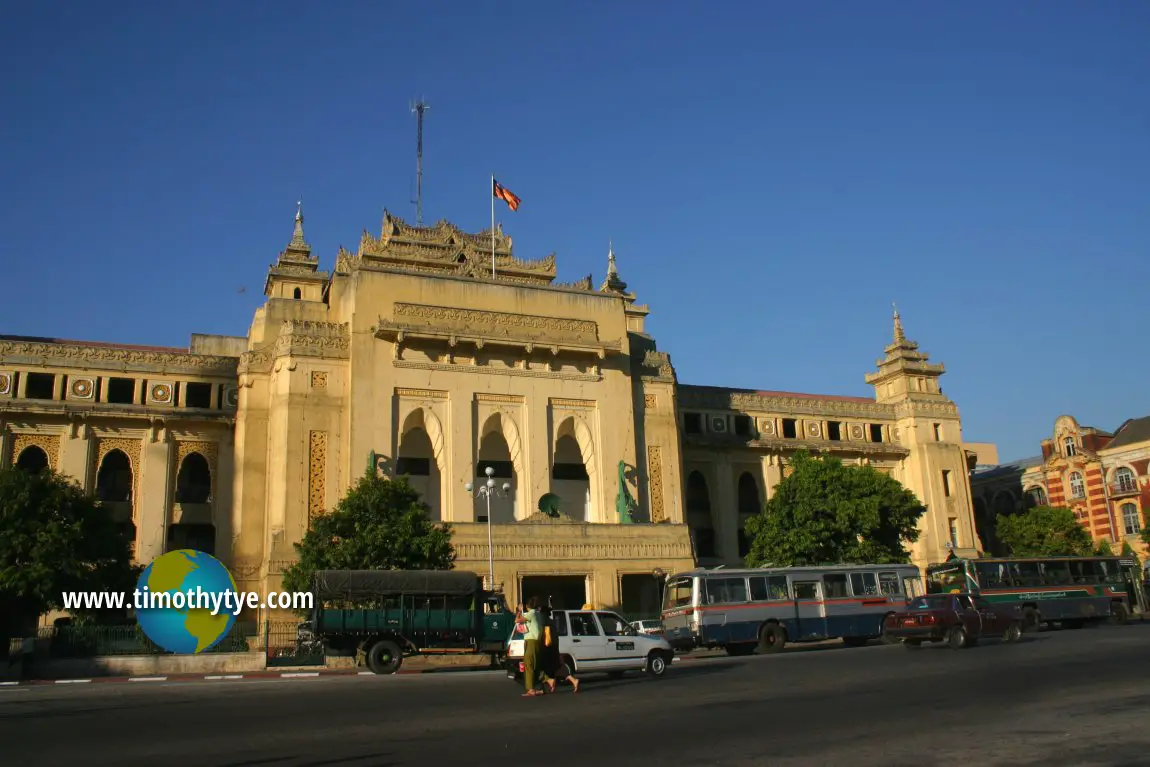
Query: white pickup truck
[598,641]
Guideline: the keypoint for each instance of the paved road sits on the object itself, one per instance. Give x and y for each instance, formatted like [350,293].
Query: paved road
[1071,698]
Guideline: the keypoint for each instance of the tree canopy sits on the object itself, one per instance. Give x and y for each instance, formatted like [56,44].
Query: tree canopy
[827,512]
[380,524]
[1044,531]
[55,538]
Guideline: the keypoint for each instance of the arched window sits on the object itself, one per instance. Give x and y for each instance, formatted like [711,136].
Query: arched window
[1068,444]
[1131,519]
[194,482]
[297,295]
[114,480]
[1077,486]
[32,459]
[699,515]
[1124,481]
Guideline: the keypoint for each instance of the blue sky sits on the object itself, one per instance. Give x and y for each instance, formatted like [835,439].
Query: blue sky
[772,175]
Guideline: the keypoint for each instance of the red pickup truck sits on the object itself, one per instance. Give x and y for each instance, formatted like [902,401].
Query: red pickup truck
[958,619]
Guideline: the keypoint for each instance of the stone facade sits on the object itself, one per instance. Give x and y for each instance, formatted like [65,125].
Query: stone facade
[1102,476]
[427,356]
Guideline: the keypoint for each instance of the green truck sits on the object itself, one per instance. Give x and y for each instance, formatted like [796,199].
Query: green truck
[384,616]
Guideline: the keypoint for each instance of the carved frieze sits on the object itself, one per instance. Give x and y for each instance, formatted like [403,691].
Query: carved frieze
[423,393]
[655,482]
[474,367]
[497,324]
[574,551]
[708,398]
[301,338]
[572,404]
[49,443]
[650,401]
[317,475]
[657,365]
[112,358]
[318,379]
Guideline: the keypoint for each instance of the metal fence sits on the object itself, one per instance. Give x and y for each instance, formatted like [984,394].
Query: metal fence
[79,641]
[287,645]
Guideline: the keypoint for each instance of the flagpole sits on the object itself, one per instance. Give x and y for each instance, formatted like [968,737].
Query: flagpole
[493,226]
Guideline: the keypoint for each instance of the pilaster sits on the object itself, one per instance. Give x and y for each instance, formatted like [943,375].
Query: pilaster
[156,484]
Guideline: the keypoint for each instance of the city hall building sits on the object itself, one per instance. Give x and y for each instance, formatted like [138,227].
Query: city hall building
[411,357]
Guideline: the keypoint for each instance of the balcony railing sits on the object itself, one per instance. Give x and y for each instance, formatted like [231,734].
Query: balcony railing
[1116,489]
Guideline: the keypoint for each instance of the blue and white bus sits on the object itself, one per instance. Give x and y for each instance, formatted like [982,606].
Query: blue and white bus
[767,607]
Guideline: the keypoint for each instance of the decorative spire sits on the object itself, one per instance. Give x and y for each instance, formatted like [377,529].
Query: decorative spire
[899,335]
[297,239]
[612,284]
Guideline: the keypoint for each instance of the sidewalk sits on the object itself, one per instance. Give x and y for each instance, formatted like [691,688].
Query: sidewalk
[416,665]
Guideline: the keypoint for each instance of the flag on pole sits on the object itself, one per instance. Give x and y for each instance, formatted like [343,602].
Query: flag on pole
[503,193]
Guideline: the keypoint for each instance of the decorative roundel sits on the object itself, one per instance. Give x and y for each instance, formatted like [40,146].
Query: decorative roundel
[161,392]
[767,426]
[231,396]
[814,429]
[856,431]
[82,387]
[5,383]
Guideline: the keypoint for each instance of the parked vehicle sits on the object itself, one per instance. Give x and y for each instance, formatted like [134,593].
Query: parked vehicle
[387,615]
[770,606]
[1067,590]
[598,641]
[648,626]
[961,620]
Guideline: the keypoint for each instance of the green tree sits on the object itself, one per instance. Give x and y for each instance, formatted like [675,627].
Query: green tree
[379,525]
[55,538]
[1104,549]
[1044,531]
[1128,551]
[827,512]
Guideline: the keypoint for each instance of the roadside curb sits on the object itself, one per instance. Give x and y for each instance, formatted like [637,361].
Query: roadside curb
[250,675]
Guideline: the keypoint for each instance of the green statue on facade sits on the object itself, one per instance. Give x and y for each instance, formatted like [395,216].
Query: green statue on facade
[624,502]
[549,504]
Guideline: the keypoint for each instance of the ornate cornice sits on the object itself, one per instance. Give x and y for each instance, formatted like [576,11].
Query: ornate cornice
[753,402]
[579,552]
[76,355]
[485,370]
[497,324]
[932,406]
[301,338]
[657,365]
[781,445]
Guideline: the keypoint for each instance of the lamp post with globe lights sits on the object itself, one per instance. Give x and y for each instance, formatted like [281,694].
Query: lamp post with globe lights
[486,490]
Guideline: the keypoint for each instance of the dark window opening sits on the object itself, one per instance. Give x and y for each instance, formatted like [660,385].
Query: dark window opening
[834,431]
[40,386]
[744,544]
[704,542]
[196,537]
[198,395]
[789,430]
[743,425]
[694,423]
[32,460]
[194,482]
[575,471]
[121,391]
[413,467]
[503,469]
[114,480]
[876,432]
[296,294]
[946,482]
[938,432]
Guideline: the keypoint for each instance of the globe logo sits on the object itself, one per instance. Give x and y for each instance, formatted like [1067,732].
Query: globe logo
[176,596]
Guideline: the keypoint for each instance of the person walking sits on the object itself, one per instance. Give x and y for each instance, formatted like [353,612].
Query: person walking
[533,670]
[551,661]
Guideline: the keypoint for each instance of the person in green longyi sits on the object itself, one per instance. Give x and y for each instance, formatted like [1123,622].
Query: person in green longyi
[533,670]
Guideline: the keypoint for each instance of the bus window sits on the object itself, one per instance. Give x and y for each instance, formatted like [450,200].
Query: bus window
[758,589]
[913,587]
[888,583]
[1084,571]
[864,584]
[835,585]
[769,589]
[1025,574]
[726,590]
[991,575]
[1055,573]
[678,594]
[777,587]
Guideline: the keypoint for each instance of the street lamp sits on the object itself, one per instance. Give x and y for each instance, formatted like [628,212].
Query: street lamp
[486,491]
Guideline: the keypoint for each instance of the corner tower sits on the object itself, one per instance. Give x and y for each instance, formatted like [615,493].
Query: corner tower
[927,424]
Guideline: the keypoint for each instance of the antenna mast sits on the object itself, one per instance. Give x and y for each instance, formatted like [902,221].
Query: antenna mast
[419,108]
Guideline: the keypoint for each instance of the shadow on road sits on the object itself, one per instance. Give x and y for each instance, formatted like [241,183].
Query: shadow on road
[373,759]
[96,710]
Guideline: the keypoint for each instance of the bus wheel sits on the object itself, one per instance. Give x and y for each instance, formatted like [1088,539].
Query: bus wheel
[772,638]
[957,638]
[1119,615]
[384,657]
[1031,621]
